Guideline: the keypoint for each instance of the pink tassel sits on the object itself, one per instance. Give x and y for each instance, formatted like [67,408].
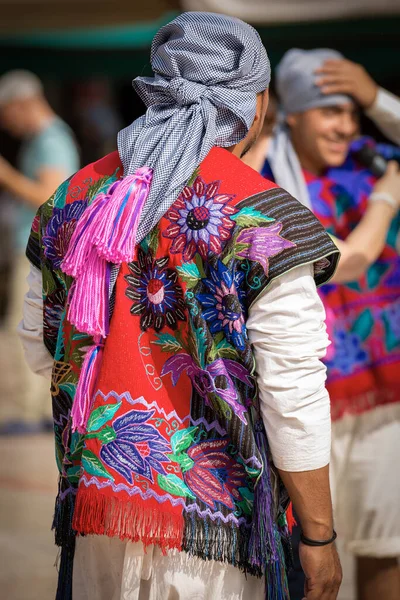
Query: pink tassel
[86,388]
[116,236]
[105,234]
[82,239]
[88,300]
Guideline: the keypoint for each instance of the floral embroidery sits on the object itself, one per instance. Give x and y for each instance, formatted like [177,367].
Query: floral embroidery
[214,378]
[224,304]
[131,445]
[157,296]
[200,220]
[59,231]
[260,243]
[215,476]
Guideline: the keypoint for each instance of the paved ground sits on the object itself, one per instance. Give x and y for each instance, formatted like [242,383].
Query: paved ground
[27,491]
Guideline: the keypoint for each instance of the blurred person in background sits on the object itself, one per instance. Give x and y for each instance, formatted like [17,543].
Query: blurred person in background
[48,155]
[310,156]
[161,437]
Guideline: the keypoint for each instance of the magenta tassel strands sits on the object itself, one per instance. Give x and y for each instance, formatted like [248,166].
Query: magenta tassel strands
[105,235]
[86,388]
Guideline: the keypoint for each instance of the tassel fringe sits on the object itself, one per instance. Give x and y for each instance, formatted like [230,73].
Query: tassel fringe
[98,514]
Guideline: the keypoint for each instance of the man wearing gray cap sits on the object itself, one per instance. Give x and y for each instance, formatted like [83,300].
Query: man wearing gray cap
[48,155]
[312,156]
[172,271]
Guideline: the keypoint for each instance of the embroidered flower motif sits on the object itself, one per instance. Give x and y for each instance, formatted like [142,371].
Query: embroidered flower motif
[392,314]
[59,231]
[215,476]
[224,304]
[135,446]
[260,243]
[214,378]
[348,353]
[200,220]
[52,313]
[157,296]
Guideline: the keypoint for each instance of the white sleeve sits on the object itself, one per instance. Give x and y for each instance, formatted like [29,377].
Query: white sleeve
[287,329]
[30,329]
[385,113]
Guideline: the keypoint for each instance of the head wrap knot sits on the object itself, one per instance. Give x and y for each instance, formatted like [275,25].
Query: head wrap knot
[186,92]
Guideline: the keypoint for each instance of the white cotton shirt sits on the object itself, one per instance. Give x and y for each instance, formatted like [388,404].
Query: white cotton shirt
[385,112]
[286,325]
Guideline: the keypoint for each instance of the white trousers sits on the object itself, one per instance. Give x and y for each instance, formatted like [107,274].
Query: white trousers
[365,479]
[110,569]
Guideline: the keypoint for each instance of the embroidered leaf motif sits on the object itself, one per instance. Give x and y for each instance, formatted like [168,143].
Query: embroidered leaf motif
[183,460]
[77,443]
[189,273]
[223,349]
[93,465]
[363,325]
[101,415]
[168,342]
[175,486]
[249,217]
[59,196]
[182,439]
[201,344]
[73,474]
[100,186]
[199,263]
[246,504]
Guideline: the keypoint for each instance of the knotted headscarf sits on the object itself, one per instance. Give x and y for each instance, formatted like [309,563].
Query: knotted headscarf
[208,69]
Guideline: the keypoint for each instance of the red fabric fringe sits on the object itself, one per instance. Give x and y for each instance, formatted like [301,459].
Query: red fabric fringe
[98,514]
[291,521]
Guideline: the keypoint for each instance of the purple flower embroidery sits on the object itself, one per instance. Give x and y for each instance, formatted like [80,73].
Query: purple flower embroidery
[215,476]
[223,305]
[205,380]
[200,220]
[59,231]
[137,447]
[262,243]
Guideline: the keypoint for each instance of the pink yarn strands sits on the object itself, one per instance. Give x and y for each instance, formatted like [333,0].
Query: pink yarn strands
[105,235]
[86,388]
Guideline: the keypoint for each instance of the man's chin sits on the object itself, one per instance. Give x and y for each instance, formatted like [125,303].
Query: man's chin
[334,160]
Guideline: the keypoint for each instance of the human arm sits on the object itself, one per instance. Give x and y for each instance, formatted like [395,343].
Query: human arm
[33,191]
[347,77]
[365,243]
[288,334]
[30,329]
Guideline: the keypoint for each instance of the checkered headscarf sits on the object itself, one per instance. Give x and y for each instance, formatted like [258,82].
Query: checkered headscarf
[208,69]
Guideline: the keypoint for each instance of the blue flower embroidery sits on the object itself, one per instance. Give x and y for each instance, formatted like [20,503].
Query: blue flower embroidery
[223,305]
[138,447]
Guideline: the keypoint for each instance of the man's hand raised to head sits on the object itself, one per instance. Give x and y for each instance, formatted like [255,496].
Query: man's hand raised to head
[346,77]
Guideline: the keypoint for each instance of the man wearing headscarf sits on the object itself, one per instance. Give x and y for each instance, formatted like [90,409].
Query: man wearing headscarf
[311,156]
[171,274]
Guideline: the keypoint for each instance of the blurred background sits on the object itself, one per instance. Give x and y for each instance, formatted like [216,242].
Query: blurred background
[86,53]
